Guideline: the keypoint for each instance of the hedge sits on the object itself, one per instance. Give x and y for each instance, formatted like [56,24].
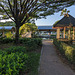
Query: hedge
[37,41]
[65,49]
[30,43]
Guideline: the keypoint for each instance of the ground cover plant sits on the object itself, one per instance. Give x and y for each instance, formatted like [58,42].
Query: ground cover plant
[18,59]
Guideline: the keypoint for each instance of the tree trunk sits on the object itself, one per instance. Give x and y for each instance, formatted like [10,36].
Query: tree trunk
[17,34]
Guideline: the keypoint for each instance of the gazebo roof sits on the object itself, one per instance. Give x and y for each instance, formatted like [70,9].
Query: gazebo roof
[65,21]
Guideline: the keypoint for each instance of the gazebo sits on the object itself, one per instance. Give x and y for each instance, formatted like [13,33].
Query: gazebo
[65,23]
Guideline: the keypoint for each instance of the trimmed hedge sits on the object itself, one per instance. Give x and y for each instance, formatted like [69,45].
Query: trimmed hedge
[37,41]
[65,49]
[15,49]
[30,43]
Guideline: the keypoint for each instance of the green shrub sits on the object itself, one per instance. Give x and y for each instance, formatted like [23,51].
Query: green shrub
[13,63]
[17,63]
[16,60]
[65,49]
[9,35]
[15,49]
[31,43]
[33,63]
[6,40]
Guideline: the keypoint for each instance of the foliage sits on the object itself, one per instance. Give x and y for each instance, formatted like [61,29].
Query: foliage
[13,63]
[64,12]
[22,11]
[6,40]
[7,23]
[15,49]
[27,27]
[17,61]
[65,49]
[9,35]
[30,43]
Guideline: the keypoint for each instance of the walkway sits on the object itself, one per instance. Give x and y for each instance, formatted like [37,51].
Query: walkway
[50,63]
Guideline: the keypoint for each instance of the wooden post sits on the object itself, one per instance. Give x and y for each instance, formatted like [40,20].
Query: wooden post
[64,32]
[58,33]
[69,34]
[73,33]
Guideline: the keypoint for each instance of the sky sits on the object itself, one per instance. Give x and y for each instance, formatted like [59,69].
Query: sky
[50,20]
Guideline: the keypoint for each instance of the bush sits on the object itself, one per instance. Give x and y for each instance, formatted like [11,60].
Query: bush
[13,63]
[15,49]
[16,60]
[6,40]
[31,43]
[9,35]
[26,41]
[65,49]
[17,63]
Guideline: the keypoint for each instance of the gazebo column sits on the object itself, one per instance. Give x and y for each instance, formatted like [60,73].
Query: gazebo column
[73,33]
[58,33]
[64,32]
[69,33]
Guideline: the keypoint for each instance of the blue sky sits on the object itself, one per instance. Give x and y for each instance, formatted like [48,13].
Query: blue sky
[50,20]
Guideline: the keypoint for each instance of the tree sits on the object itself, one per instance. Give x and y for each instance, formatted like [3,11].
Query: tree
[21,11]
[28,27]
[9,23]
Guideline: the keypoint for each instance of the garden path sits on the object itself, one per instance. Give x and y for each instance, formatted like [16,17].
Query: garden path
[50,63]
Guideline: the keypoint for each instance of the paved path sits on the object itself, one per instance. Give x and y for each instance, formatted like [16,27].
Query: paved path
[50,63]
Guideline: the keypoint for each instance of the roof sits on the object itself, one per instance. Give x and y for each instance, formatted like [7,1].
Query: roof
[6,27]
[44,27]
[65,21]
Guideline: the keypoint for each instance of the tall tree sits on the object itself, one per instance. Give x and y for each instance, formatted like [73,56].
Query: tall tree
[21,11]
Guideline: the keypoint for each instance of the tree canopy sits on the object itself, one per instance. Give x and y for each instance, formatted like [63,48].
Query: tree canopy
[28,27]
[7,23]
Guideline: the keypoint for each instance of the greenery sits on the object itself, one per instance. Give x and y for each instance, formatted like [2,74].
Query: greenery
[6,40]
[21,11]
[9,35]
[27,27]
[15,49]
[17,63]
[19,60]
[7,23]
[67,50]
[25,41]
